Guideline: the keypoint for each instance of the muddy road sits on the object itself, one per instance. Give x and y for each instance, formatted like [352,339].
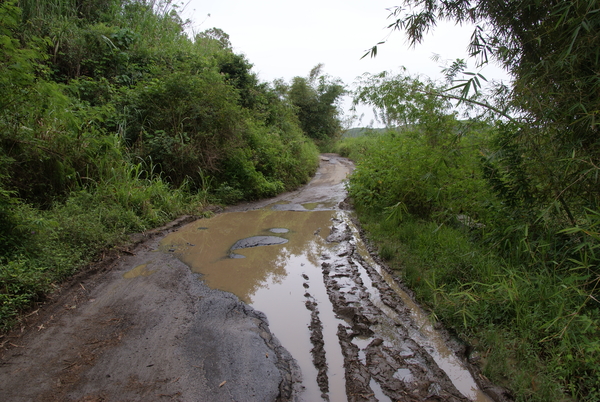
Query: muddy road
[277,300]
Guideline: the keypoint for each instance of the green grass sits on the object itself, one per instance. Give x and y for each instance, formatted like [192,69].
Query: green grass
[50,245]
[531,314]
[505,312]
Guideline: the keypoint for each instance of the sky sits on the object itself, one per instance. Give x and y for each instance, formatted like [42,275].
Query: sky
[284,39]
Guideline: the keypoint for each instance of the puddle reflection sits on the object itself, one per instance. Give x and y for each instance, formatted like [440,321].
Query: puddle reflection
[273,278]
[207,251]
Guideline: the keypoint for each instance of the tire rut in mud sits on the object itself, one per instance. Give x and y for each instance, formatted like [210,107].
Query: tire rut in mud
[387,355]
[316,338]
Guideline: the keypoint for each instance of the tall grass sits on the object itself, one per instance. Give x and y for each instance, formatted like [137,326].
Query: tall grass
[47,9]
[532,321]
[55,243]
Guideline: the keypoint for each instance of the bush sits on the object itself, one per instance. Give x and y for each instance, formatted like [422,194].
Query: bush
[532,323]
[51,245]
[113,121]
[431,182]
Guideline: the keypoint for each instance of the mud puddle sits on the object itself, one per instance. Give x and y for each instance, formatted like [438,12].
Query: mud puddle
[276,269]
[357,336]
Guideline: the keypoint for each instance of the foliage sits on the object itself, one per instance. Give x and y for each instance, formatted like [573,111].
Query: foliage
[401,99]
[92,10]
[430,161]
[315,98]
[543,160]
[405,101]
[507,314]
[550,49]
[433,222]
[479,238]
[48,246]
[541,163]
[438,183]
[113,120]
[183,106]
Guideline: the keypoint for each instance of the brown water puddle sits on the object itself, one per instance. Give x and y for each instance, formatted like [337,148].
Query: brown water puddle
[276,279]
[274,260]
[346,321]
[206,245]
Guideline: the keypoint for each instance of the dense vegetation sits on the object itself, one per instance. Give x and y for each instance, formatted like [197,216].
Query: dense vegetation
[494,220]
[114,120]
[316,98]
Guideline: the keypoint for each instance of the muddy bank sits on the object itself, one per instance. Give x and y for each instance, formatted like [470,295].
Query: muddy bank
[376,343]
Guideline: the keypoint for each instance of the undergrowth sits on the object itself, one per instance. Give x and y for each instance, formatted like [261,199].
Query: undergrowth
[113,120]
[47,246]
[529,313]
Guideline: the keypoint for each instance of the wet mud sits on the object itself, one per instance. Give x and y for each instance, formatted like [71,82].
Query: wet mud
[376,345]
[356,334]
[319,357]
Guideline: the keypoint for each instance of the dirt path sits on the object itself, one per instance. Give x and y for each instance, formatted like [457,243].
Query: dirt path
[141,326]
[136,332]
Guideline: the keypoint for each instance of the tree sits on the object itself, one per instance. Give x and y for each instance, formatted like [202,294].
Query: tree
[215,35]
[315,98]
[552,51]
[408,103]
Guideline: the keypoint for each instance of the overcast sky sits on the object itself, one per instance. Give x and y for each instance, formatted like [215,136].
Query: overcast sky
[284,39]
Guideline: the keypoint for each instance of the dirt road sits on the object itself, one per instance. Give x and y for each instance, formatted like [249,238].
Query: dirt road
[142,326]
[135,332]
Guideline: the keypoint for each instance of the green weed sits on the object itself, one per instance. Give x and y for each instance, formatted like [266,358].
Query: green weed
[114,121]
[534,323]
